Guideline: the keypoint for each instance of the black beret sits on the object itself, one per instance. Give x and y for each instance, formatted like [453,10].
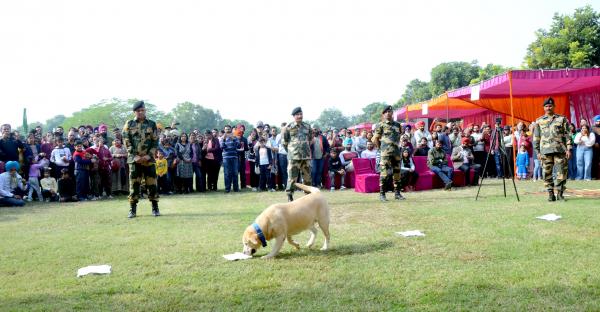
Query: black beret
[387,108]
[296,110]
[549,101]
[137,105]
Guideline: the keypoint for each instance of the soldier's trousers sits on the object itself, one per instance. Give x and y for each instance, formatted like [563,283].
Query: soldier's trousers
[294,168]
[549,161]
[138,172]
[389,168]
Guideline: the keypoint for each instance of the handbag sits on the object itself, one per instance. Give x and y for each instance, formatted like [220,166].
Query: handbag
[257,170]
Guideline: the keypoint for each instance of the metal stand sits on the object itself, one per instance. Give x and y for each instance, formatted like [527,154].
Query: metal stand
[504,158]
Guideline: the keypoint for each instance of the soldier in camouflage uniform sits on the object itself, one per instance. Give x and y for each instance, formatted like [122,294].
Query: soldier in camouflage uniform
[387,139]
[140,137]
[552,142]
[297,137]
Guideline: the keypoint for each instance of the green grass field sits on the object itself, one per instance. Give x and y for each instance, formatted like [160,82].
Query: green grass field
[486,255]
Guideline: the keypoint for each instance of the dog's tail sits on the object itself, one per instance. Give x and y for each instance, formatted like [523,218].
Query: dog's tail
[306,188]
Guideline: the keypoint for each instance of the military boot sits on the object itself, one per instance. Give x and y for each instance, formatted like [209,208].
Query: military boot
[132,210]
[551,196]
[155,211]
[399,196]
[290,197]
[382,197]
[559,195]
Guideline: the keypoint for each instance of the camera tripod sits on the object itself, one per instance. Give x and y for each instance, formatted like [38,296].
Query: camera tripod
[496,136]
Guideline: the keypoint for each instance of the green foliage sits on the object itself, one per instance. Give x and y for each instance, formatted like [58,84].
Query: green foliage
[487,72]
[416,91]
[452,75]
[371,113]
[332,118]
[191,116]
[114,113]
[572,41]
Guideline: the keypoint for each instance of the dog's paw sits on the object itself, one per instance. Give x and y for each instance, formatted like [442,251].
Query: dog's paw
[324,248]
[266,257]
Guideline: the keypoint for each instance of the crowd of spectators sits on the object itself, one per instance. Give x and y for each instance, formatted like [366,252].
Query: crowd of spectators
[89,163]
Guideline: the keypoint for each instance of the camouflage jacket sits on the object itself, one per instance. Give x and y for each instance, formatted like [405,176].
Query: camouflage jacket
[140,139]
[436,158]
[388,135]
[551,135]
[296,140]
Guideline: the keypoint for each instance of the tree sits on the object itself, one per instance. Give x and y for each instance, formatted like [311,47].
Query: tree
[332,118]
[572,41]
[191,116]
[447,76]
[114,113]
[416,91]
[371,113]
[487,72]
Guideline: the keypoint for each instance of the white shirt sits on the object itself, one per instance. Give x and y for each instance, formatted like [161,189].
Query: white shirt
[279,145]
[57,155]
[5,189]
[585,141]
[263,156]
[369,154]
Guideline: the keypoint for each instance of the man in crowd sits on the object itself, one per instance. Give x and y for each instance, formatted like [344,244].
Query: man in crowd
[282,160]
[553,143]
[141,140]
[297,137]
[9,146]
[319,149]
[386,138]
[230,147]
[463,159]
[596,150]
[12,189]
[438,164]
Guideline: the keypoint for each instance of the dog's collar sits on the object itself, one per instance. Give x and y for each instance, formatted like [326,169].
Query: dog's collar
[260,234]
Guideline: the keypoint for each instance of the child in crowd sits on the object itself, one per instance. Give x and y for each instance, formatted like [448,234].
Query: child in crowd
[66,188]
[335,168]
[34,182]
[82,173]
[49,187]
[162,170]
[94,172]
[263,153]
[522,163]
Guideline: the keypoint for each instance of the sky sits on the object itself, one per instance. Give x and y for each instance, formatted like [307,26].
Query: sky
[252,60]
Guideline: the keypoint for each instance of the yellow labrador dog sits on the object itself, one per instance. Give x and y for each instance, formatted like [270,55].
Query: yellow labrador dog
[282,221]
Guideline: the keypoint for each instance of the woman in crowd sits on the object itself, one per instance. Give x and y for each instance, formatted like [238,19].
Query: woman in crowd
[104,167]
[212,159]
[508,140]
[585,141]
[408,175]
[196,160]
[185,171]
[572,166]
[119,174]
[251,157]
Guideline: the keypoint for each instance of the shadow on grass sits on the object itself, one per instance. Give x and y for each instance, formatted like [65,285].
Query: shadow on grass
[338,251]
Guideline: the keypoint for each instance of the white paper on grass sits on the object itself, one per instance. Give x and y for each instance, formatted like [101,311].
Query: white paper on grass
[94,269]
[549,217]
[411,233]
[236,256]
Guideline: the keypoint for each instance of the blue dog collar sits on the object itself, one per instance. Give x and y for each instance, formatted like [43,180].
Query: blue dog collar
[260,234]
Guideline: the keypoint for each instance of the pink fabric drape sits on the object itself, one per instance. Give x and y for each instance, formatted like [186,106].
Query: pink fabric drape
[586,105]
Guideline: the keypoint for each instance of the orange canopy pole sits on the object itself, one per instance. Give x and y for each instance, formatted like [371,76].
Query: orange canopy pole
[512,120]
[447,108]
